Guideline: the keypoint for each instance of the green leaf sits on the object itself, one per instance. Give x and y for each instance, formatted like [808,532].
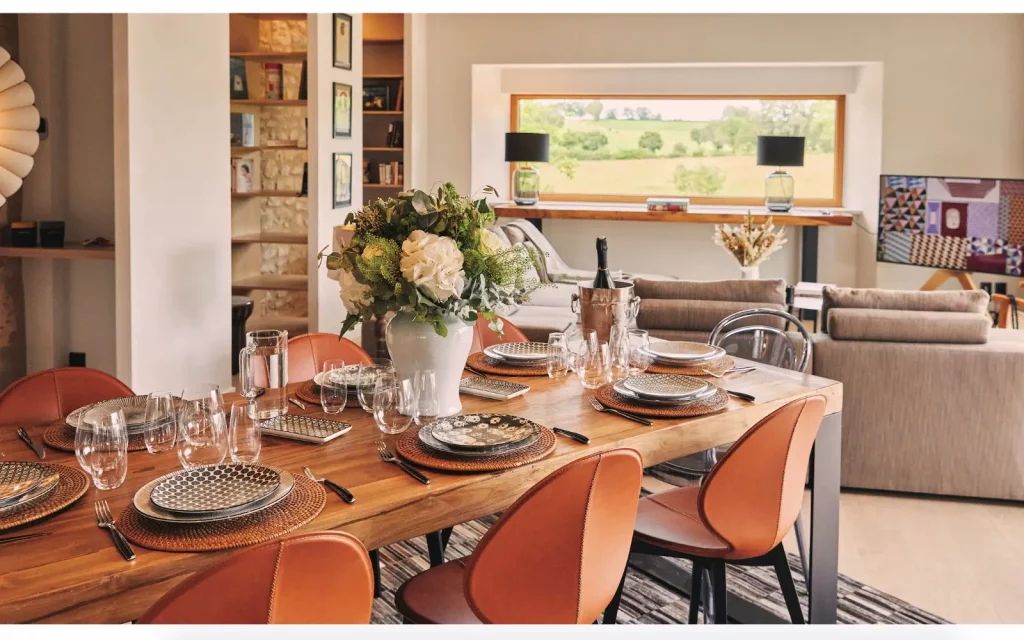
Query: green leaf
[421,202]
[335,261]
[440,328]
[350,321]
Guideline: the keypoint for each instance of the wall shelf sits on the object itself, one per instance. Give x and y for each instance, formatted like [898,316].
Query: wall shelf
[272,56]
[383,76]
[267,148]
[264,102]
[267,194]
[271,237]
[272,282]
[382,113]
[373,185]
[71,251]
[383,149]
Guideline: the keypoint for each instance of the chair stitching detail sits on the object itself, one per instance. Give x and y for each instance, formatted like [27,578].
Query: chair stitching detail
[273,584]
[583,537]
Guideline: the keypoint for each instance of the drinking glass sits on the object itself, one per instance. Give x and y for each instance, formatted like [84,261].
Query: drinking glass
[640,356]
[161,430]
[83,443]
[334,390]
[106,456]
[594,366]
[428,404]
[364,392]
[202,428]
[394,403]
[263,364]
[244,434]
[618,346]
[558,356]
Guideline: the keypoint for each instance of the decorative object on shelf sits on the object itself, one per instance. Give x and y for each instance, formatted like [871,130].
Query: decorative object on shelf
[51,234]
[376,97]
[243,130]
[668,204]
[19,127]
[523,149]
[342,41]
[779,151]
[239,83]
[396,133]
[304,191]
[274,73]
[342,110]
[342,179]
[750,243]
[431,259]
[304,83]
[23,234]
[243,171]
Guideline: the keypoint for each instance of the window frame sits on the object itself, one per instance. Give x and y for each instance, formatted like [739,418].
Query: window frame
[837,171]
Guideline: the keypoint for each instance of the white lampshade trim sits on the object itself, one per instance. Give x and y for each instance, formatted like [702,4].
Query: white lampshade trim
[19,123]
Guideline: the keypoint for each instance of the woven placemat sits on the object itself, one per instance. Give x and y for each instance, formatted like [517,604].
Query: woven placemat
[480,362]
[717,367]
[410,448]
[309,392]
[61,437]
[607,396]
[304,503]
[72,485]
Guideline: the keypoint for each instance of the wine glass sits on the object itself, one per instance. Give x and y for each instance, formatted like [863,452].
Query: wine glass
[558,356]
[202,429]
[244,434]
[106,455]
[368,376]
[161,428]
[428,403]
[594,366]
[334,390]
[394,403]
[640,356]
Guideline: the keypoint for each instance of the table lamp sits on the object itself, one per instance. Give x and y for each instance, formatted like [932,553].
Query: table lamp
[779,151]
[524,148]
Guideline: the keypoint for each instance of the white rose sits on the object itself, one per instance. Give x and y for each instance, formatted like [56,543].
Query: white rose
[491,243]
[434,264]
[354,294]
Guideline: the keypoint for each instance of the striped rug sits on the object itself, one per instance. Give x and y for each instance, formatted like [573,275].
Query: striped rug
[646,600]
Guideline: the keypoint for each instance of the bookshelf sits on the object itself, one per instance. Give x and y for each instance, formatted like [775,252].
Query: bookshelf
[268,228]
[385,70]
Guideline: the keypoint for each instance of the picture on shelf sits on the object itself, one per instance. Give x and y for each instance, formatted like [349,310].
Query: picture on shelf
[342,41]
[243,130]
[342,179]
[376,98]
[342,110]
[239,85]
[243,172]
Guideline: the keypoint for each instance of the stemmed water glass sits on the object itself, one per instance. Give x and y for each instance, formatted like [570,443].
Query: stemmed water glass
[428,403]
[102,450]
[161,428]
[244,434]
[558,355]
[334,390]
[202,427]
[394,403]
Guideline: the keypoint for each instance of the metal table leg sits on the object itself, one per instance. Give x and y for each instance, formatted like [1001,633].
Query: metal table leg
[823,582]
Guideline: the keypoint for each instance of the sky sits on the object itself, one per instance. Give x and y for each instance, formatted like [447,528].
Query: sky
[675,109]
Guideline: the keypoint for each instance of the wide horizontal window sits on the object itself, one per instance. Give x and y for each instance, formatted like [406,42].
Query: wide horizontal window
[622,148]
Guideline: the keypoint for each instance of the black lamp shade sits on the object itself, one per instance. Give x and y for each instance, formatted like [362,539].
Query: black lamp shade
[780,151]
[526,147]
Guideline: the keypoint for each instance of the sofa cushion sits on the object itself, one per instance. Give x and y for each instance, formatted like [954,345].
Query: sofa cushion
[759,291]
[698,315]
[955,301]
[890,325]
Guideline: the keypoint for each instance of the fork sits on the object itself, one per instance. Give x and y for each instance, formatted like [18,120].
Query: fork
[104,520]
[390,458]
[733,370]
[622,414]
[342,492]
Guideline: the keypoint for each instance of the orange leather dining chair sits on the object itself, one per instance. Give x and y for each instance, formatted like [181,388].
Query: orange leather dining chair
[484,336]
[308,352]
[555,555]
[50,395]
[313,578]
[741,513]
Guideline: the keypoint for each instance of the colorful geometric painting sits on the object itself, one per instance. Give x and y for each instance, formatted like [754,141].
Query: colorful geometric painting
[972,224]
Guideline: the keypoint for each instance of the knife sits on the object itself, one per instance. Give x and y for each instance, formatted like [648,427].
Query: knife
[27,536]
[412,472]
[38,448]
[578,437]
[741,395]
[342,492]
[296,403]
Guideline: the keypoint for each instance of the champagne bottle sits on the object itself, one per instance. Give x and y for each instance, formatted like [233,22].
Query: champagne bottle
[602,280]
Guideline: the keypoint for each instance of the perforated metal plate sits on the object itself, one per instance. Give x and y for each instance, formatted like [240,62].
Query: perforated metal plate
[215,488]
[482,430]
[667,386]
[528,351]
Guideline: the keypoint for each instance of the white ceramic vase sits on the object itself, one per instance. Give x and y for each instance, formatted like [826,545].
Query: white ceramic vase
[750,273]
[415,346]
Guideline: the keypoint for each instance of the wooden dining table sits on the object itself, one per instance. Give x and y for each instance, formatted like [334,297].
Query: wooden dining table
[75,574]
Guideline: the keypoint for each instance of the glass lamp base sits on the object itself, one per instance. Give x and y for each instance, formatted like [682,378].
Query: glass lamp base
[525,186]
[778,191]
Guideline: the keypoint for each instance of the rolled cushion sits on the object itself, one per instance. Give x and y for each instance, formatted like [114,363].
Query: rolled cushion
[759,291]
[955,301]
[891,325]
[698,315]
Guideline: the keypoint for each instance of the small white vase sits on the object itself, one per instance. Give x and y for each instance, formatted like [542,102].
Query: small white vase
[415,346]
[750,273]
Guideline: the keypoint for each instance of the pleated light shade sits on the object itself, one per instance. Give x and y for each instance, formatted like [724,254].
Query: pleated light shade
[19,126]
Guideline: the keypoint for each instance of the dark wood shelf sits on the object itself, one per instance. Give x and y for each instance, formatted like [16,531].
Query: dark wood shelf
[271,237]
[272,56]
[264,147]
[263,102]
[374,185]
[383,76]
[383,149]
[272,282]
[71,251]
[382,113]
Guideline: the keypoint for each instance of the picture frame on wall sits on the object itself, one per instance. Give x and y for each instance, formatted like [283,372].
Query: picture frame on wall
[342,110]
[342,179]
[342,41]
[376,97]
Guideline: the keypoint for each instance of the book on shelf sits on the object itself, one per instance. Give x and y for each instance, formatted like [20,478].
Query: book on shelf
[668,204]
[398,100]
[243,130]
[396,132]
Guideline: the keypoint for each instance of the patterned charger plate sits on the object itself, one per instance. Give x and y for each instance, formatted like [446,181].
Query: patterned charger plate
[215,488]
[46,486]
[133,408]
[667,386]
[427,438]
[482,430]
[144,504]
[629,396]
[519,351]
[19,478]
[685,352]
[352,378]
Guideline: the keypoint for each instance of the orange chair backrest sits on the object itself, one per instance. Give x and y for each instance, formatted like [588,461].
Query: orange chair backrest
[47,396]
[484,336]
[307,353]
[314,578]
[558,553]
[753,495]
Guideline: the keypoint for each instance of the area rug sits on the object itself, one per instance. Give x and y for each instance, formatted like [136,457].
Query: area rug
[647,600]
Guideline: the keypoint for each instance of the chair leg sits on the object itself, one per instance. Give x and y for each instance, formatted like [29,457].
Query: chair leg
[435,548]
[718,586]
[375,562]
[781,564]
[446,535]
[612,610]
[696,582]
[801,544]
[708,594]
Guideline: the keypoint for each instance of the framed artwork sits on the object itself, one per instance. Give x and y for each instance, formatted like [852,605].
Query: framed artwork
[376,97]
[342,110]
[239,85]
[342,179]
[342,41]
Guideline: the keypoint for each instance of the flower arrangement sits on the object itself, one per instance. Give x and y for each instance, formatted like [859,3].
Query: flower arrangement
[749,243]
[432,255]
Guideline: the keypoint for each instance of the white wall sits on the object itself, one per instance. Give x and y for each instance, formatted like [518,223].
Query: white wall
[972,128]
[172,200]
